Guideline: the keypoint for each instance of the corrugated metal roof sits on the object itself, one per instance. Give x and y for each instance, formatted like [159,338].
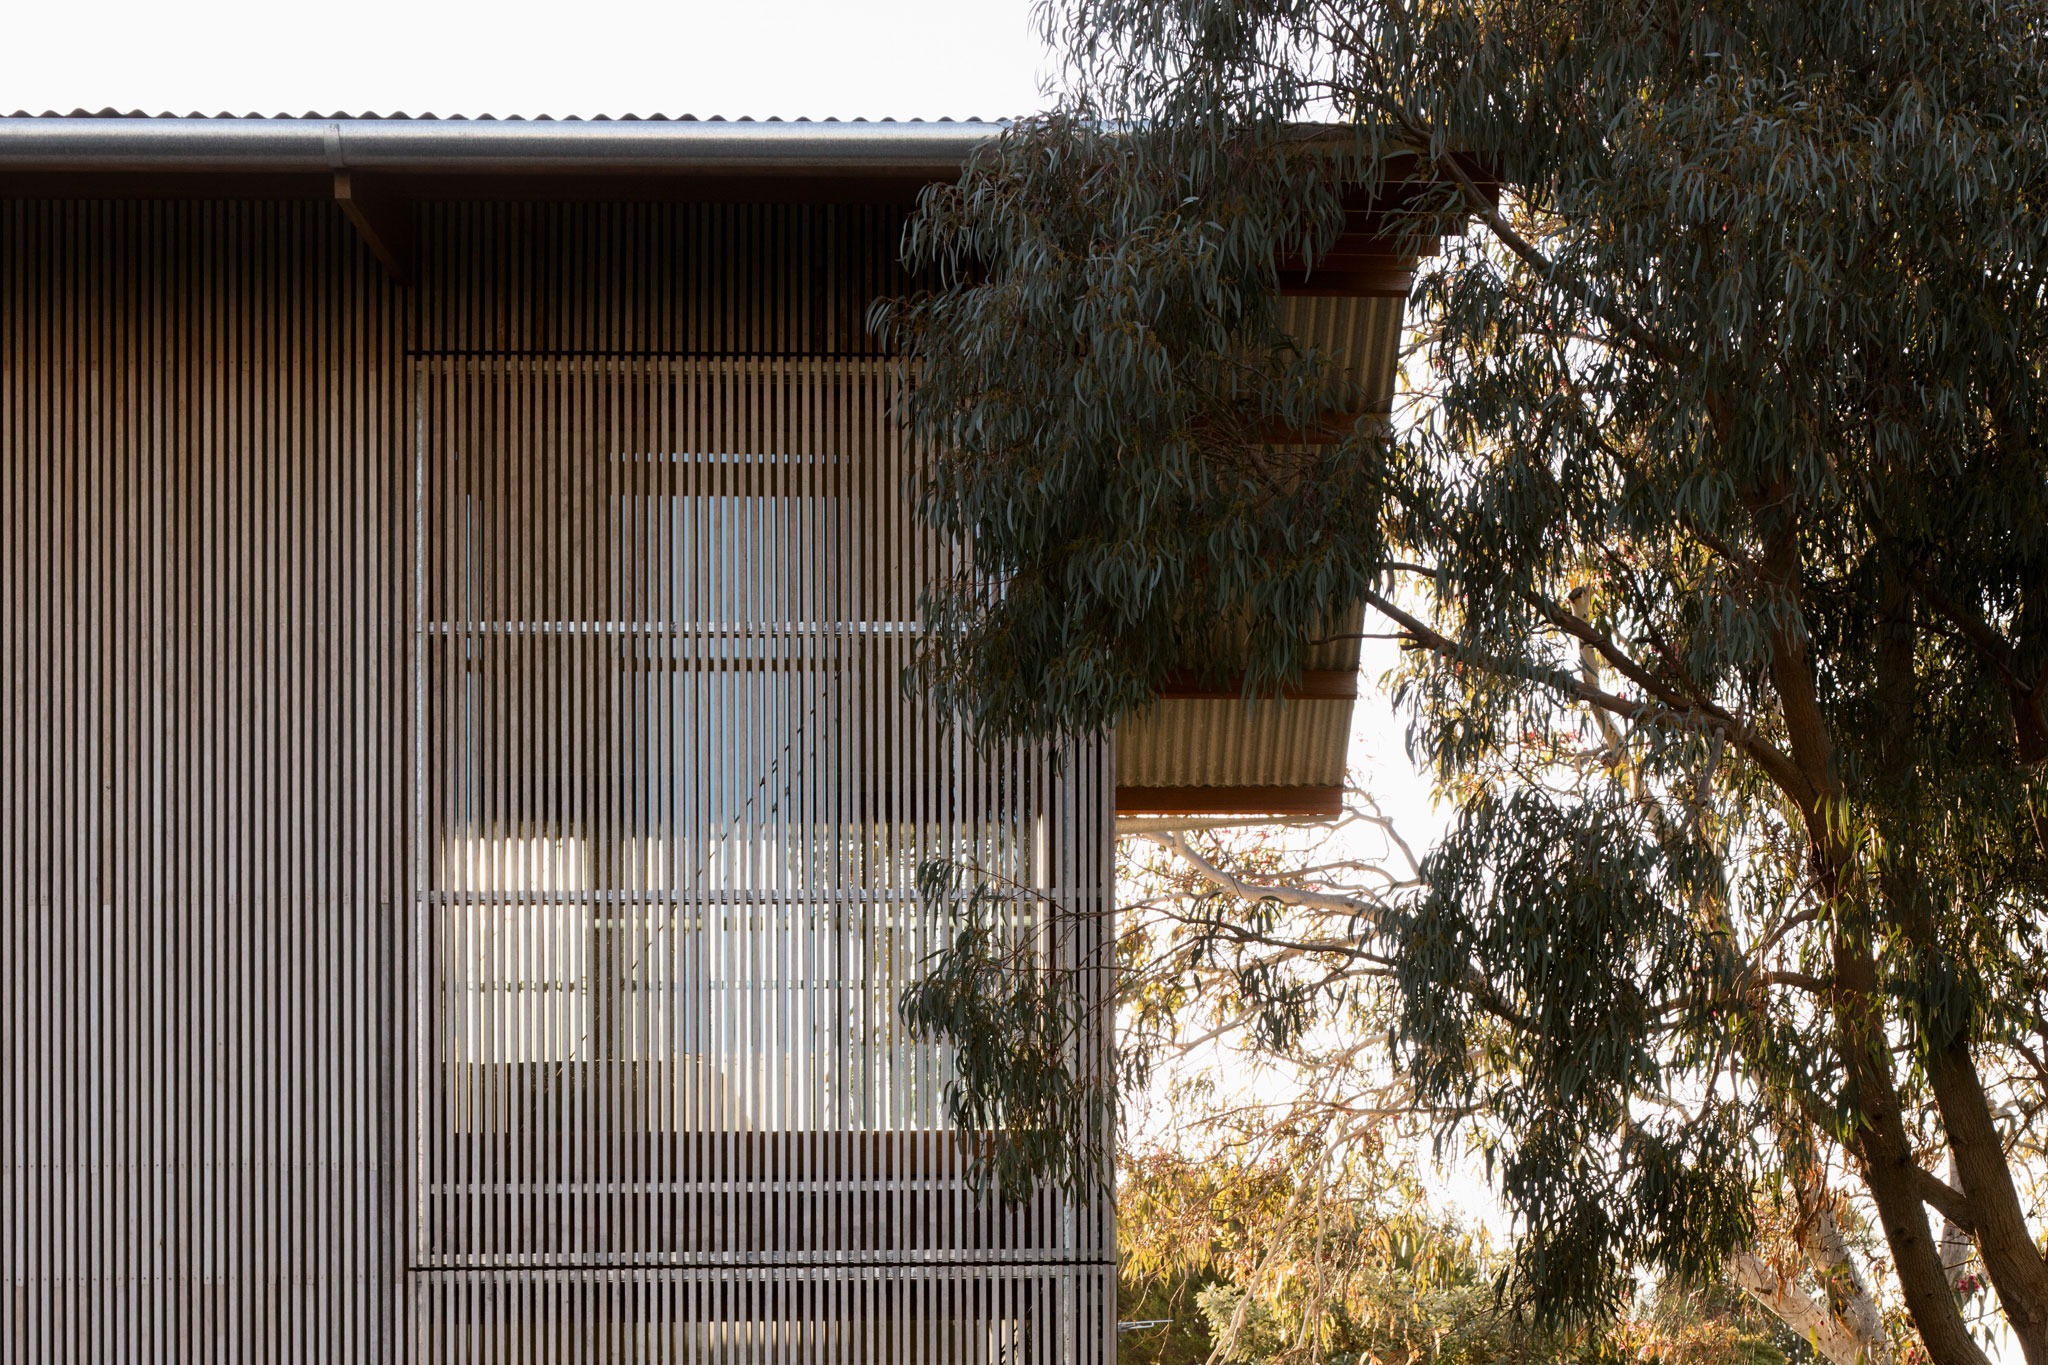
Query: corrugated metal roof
[1362,334]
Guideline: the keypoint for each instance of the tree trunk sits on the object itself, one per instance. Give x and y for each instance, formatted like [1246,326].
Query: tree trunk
[1886,1155]
[1879,1140]
[1922,1281]
[1828,1251]
[2012,1262]
[1957,1251]
[1793,1306]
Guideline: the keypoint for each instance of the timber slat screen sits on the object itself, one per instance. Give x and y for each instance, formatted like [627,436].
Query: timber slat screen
[463,815]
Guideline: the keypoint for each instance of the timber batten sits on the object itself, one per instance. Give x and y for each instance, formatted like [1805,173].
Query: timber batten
[462,846]
[462,827]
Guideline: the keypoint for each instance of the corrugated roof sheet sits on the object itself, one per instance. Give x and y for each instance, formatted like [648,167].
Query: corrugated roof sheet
[1186,742]
[1214,743]
[1363,335]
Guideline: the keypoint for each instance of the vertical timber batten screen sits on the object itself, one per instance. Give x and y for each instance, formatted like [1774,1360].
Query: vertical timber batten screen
[202,417]
[464,815]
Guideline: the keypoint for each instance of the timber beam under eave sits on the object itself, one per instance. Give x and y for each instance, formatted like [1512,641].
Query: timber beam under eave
[382,219]
[1323,801]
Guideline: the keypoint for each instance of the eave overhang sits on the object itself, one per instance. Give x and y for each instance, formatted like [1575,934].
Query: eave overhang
[1199,751]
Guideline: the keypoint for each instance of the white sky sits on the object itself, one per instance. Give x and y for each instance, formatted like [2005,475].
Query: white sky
[793,58]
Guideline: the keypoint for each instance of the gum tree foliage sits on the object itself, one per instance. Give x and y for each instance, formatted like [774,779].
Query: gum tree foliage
[1265,1205]
[1253,972]
[1718,531]
[1297,1258]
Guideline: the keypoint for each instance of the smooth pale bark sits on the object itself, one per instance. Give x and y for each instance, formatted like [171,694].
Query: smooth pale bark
[1828,1252]
[1957,1251]
[1782,1297]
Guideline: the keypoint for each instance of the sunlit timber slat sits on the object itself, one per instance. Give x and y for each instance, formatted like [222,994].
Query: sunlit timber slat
[462,816]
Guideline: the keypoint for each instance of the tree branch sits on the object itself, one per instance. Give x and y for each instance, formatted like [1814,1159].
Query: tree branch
[1944,1198]
[1776,765]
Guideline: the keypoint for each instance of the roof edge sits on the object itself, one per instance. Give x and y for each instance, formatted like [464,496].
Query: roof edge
[439,146]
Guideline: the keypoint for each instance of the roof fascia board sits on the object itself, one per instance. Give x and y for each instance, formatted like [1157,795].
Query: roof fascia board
[463,146]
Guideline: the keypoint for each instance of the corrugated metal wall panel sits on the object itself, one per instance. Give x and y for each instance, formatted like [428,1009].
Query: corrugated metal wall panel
[1211,743]
[1340,652]
[1361,335]
[1215,743]
[455,889]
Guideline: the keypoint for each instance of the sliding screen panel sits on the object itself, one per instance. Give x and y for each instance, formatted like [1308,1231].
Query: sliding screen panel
[463,813]
[672,800]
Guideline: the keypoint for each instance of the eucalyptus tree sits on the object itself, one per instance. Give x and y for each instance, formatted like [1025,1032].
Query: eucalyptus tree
[1253,969]
[1716,527]
[1300,1259]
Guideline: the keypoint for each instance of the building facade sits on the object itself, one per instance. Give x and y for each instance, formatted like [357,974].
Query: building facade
[462,817]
